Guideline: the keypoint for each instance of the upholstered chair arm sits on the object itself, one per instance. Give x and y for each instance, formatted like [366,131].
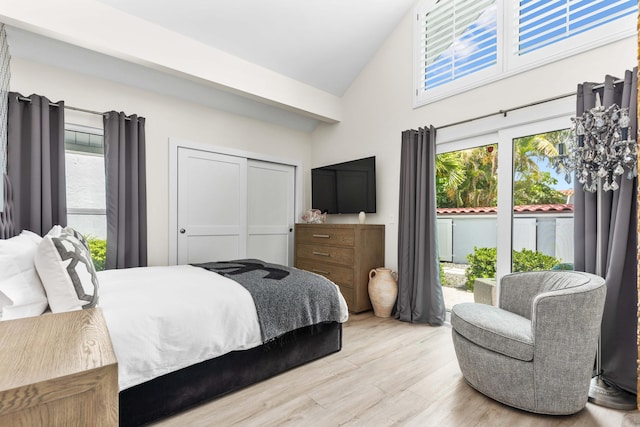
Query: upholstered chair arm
[517,291]
[565,326]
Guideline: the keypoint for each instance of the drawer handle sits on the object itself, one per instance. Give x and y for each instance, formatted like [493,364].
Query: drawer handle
[320,253]
[322,236]
[326,273]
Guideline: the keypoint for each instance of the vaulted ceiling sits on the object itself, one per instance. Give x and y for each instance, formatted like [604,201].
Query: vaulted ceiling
[311,48]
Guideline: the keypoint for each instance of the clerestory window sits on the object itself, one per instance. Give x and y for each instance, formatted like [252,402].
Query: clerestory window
[462,44]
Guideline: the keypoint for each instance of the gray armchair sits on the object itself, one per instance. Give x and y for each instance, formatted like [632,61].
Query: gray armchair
[535,351]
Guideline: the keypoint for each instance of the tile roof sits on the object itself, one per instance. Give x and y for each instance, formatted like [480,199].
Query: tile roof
[550,208]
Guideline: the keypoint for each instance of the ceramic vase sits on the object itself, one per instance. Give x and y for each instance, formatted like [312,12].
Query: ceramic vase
[362,217]
[383,290]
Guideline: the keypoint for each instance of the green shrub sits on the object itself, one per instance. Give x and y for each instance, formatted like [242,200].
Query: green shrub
[482,263]
[528,260]
[443,280]
[98,248]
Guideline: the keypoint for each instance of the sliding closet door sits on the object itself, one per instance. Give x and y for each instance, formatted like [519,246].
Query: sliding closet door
[271,189]
[212,206]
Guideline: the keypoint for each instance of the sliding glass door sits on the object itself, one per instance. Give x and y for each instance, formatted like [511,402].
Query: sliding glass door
[535,204]
[467,195]
[501,206]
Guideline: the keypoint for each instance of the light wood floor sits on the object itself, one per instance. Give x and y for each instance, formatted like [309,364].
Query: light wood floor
[388,373]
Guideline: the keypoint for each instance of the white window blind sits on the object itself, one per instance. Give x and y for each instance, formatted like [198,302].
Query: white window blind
[542,22]
[459,37]
[463,44]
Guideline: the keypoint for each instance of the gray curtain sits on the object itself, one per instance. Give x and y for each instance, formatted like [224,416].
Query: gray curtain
[7,229]
[419,289]
[619,243]
[35,163]
[124,143]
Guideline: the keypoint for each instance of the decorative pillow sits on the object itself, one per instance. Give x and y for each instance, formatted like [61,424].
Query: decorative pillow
[21,291]
[77,235]
[65,267]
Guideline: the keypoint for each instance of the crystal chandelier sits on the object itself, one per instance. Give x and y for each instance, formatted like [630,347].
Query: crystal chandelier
[599,149]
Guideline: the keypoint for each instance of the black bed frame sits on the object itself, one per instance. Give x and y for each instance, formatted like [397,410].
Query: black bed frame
[182,389]
[177,391]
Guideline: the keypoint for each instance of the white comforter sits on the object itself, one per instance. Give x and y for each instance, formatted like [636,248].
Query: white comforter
[162,319]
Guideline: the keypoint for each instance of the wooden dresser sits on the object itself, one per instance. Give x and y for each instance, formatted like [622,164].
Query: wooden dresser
[58,370]
[343,253]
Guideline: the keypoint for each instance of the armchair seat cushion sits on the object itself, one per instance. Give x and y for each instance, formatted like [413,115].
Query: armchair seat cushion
[494,329]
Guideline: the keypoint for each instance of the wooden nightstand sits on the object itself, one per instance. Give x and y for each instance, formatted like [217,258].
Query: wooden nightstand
[58,370]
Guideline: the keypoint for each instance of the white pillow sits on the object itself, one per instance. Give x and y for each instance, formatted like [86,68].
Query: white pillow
[66,269]
[21,291]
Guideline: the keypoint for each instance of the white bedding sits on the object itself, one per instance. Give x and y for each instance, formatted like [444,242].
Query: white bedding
[162,319]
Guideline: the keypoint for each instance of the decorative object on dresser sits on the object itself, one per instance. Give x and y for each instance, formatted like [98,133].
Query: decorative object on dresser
[362,217]
[344,253]
[314,216]
[58,370]
[383,290]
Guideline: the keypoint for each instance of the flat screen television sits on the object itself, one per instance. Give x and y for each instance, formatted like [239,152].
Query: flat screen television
[345,188]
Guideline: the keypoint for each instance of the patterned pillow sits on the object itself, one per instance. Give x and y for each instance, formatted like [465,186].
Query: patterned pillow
[77,235]
[67,272]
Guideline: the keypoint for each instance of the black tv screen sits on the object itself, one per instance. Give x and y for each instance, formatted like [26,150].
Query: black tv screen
[348,187]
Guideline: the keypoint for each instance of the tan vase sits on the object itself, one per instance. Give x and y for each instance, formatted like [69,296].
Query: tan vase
[383,291]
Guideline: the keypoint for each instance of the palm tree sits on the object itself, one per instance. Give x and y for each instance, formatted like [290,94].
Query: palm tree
[450,174]
[480,189]
[528,149]
[468,178]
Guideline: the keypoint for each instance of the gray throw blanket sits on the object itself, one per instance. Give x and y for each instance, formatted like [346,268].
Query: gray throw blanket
[286,298]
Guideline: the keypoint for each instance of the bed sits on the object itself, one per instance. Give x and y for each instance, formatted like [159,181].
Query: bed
[166,325]
[221,367]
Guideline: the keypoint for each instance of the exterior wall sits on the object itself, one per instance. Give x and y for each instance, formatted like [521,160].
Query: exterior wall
[167,117]
[550,234]
[379,106]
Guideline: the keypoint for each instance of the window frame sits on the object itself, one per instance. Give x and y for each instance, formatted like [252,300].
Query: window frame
[508,62]
[551,115]
[583,42]
[461,84]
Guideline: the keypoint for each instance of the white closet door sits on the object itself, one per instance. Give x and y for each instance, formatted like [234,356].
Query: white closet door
[212,206]
[271,190]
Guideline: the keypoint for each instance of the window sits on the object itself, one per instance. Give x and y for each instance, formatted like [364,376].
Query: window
[521,144]
[466,197]
[85,175]
[460,39]
[542,230]
[462,44]
[542,22]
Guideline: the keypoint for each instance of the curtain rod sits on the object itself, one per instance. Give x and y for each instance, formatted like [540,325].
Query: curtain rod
[69,107]
[531,104]
[53,104]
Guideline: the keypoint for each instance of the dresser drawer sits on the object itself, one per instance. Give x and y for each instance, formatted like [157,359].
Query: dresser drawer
[331,254]
[327,235]
[341,276]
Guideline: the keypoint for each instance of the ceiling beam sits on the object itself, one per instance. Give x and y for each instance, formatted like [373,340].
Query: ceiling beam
[93,25]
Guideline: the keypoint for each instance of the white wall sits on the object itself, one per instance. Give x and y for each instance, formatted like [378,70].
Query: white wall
[166,118]
[378,107]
